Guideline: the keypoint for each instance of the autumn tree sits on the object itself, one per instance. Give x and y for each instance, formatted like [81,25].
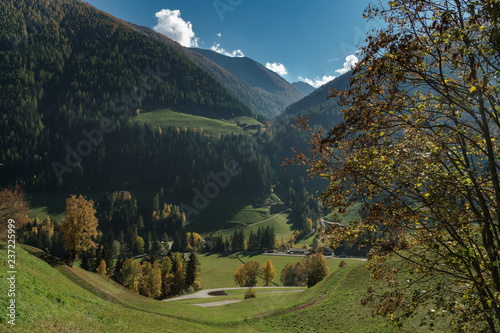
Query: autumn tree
[102,269]
[294,274]
[130,274]
[140,244]
[13,205]
[150,284]
[317,269]
[79,227]
[247,274]
[419,151]
[268,272]
[179,283]
[167,276]
[144,279]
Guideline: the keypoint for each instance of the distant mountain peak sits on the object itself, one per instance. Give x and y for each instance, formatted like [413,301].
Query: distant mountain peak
[304,87]
[278,92]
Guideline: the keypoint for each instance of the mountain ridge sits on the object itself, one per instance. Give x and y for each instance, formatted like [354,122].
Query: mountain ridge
[258,98]
[320,109]
[304,87]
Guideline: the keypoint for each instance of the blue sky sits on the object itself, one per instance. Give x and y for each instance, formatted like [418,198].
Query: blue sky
[310,41]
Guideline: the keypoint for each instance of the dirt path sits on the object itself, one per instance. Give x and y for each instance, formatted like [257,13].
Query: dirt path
[218,303]
[205,293]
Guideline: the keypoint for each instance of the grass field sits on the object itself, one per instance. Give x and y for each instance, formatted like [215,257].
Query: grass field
[51,297]
[217,271]
[229,211]
[168,118]
[52,204]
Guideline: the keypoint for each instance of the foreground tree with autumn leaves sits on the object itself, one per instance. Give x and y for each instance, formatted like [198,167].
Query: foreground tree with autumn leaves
[419,150]
[79,227]
[13,205]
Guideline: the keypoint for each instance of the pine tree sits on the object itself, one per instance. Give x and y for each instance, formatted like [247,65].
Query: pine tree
[192,269]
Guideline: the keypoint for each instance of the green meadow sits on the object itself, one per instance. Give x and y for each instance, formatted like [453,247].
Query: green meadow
[169,118]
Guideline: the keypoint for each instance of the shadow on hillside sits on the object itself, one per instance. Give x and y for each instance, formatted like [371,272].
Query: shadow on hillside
[48,258]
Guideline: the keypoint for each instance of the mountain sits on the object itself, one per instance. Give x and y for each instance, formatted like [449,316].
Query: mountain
[304,87]
[264,91]
[317,106]
[272,88]
[72,80]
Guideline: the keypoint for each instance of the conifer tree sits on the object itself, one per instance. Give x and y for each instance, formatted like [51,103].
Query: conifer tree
[192,269]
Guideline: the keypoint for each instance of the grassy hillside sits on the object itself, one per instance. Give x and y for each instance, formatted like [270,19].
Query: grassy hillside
[51,297]
[225,214]
[54,298]
[52,204]
[168,118]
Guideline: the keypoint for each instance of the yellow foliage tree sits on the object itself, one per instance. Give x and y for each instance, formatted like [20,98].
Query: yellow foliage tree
[155,282]
[246,275]
[102,269]
[79,228]
[150,282]
[179,280]
[269,272]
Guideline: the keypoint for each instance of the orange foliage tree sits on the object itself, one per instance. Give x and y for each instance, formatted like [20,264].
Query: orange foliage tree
[79,227]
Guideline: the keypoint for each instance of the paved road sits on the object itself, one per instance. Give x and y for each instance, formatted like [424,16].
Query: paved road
[204,293]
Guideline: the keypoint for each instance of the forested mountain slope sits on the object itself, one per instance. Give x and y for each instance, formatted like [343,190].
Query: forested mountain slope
[268,95]
[317,106]
[304,87]
[69,72]
[266,84]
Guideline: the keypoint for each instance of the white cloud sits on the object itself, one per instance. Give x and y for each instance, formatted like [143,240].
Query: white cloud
[277,67]
[170,24]
[219,34]
[318,82]
[350,61]
[236,53]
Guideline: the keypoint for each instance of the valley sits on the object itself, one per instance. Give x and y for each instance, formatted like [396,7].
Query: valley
[249,166]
